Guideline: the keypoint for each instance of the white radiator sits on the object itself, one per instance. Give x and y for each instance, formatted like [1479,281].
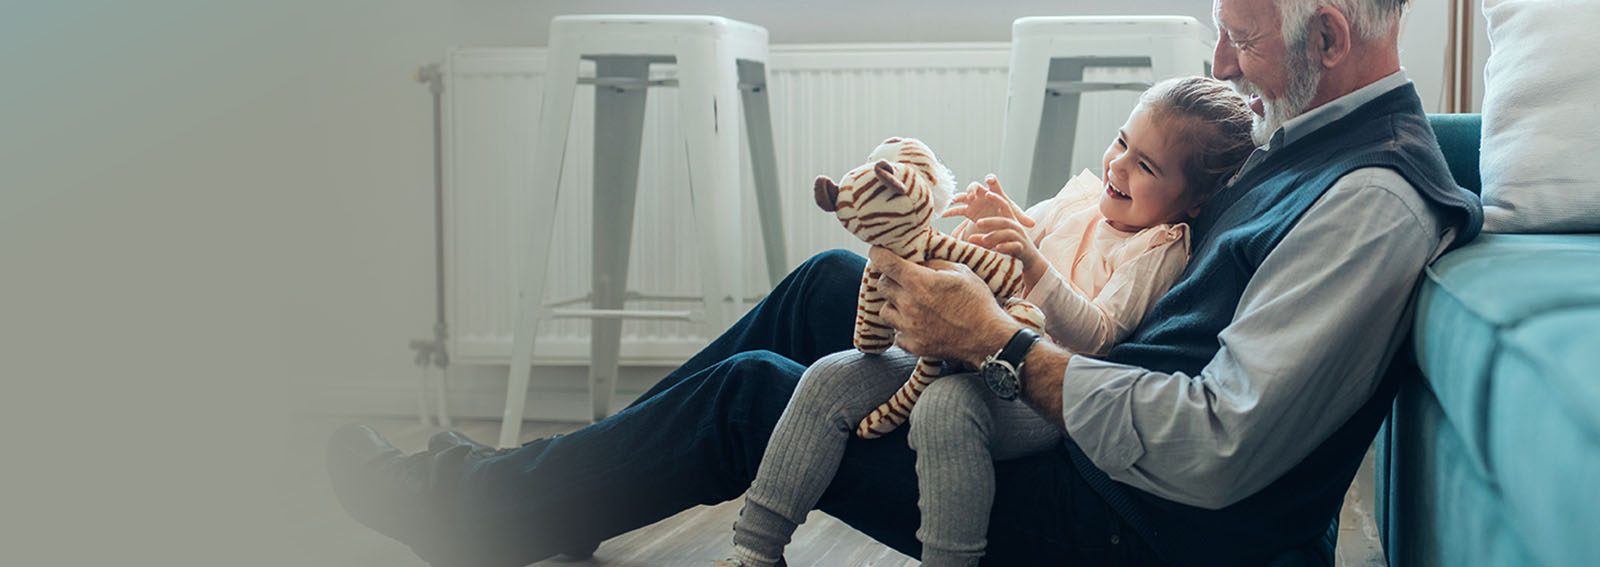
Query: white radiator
[831,104]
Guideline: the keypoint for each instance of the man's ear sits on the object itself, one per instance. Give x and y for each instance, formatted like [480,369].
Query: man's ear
[1329,36]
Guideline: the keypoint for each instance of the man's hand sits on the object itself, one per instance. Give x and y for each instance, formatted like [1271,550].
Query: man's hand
[945,311]
[941,310]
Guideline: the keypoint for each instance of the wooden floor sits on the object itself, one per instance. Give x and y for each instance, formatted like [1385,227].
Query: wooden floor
[322,535]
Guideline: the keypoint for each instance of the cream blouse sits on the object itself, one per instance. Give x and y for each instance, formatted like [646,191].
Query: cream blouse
[1101,280]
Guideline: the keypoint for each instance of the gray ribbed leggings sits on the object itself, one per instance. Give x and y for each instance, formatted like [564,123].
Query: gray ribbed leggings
[957,429]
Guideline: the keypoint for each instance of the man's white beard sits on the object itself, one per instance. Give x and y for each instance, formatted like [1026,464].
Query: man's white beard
[1304,76]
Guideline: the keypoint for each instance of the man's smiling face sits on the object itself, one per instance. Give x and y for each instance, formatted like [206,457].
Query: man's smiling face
[1281,80]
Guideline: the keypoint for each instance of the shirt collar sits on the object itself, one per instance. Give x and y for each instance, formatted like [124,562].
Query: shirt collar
[1304,124]
[1335,109]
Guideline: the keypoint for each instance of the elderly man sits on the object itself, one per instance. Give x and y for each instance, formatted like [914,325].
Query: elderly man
[1224,431]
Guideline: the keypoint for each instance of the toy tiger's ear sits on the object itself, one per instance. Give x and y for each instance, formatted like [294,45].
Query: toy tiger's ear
[887,176]
[827,193]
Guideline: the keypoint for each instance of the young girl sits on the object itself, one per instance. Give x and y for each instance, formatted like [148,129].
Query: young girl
[1095,258]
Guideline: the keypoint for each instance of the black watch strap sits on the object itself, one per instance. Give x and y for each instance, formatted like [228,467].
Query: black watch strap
[1017,348]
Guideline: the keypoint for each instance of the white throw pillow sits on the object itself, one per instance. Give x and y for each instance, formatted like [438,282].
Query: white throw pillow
[1541,116]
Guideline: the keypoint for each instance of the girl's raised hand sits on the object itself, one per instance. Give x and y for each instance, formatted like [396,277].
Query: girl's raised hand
[1021,216]
[986,200]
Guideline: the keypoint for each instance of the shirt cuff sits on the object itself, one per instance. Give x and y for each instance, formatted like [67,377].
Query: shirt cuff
[1097,408]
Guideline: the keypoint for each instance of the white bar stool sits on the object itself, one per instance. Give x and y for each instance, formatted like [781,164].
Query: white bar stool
[1048,55]
[721,65]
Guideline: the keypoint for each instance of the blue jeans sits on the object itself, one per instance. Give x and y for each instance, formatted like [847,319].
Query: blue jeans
[697,438]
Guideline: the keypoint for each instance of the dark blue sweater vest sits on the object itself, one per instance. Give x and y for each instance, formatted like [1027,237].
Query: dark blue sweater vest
[1294,515]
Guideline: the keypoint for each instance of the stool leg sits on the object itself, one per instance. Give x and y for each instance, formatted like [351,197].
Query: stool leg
[424,414]
[764,166]
[1024,106]
[708,92]
[441,394]
[1058,132]
[550,143]
[618,133]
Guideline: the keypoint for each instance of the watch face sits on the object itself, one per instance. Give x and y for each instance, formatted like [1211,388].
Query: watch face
[1001,379]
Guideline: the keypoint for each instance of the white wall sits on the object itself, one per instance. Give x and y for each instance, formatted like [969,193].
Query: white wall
[1422,51]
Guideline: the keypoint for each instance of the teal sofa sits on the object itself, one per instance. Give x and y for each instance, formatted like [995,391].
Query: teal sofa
[1492,455]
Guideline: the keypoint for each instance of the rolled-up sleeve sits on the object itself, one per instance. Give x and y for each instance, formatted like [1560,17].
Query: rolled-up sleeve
[1313,331]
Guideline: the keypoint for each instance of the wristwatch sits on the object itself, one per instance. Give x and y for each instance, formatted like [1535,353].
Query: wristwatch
[1002,371]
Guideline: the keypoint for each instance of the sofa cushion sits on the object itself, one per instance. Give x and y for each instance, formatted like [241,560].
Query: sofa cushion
[1476,298]
[1540,123]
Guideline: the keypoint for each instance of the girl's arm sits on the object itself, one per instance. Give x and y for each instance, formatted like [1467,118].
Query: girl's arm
[1091,326]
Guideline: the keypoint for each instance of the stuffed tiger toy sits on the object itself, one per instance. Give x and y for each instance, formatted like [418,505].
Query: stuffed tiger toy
[891,201]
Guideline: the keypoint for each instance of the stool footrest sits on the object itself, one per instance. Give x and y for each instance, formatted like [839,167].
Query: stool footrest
[627,83]
[1065,87]
[624,314]
[634,84]
[631,296]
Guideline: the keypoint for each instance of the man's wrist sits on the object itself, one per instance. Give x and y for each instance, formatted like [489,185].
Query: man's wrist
[1002,372]
[989,341]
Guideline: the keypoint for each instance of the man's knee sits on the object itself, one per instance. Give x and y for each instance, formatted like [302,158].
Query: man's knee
[835,260]
[753,376]
[829,266]
[758,366]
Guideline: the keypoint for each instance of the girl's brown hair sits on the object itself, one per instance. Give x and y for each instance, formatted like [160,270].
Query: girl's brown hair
[1214,119]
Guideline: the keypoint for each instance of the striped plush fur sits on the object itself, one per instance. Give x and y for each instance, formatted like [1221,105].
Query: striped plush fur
[891,202]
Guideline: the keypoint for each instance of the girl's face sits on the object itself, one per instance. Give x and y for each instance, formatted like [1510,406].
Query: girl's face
[1144,175]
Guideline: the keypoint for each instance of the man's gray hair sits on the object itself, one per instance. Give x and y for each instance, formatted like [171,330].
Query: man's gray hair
[1369,19]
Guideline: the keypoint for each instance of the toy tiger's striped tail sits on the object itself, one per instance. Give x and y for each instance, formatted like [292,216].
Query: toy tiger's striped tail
[897,410]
